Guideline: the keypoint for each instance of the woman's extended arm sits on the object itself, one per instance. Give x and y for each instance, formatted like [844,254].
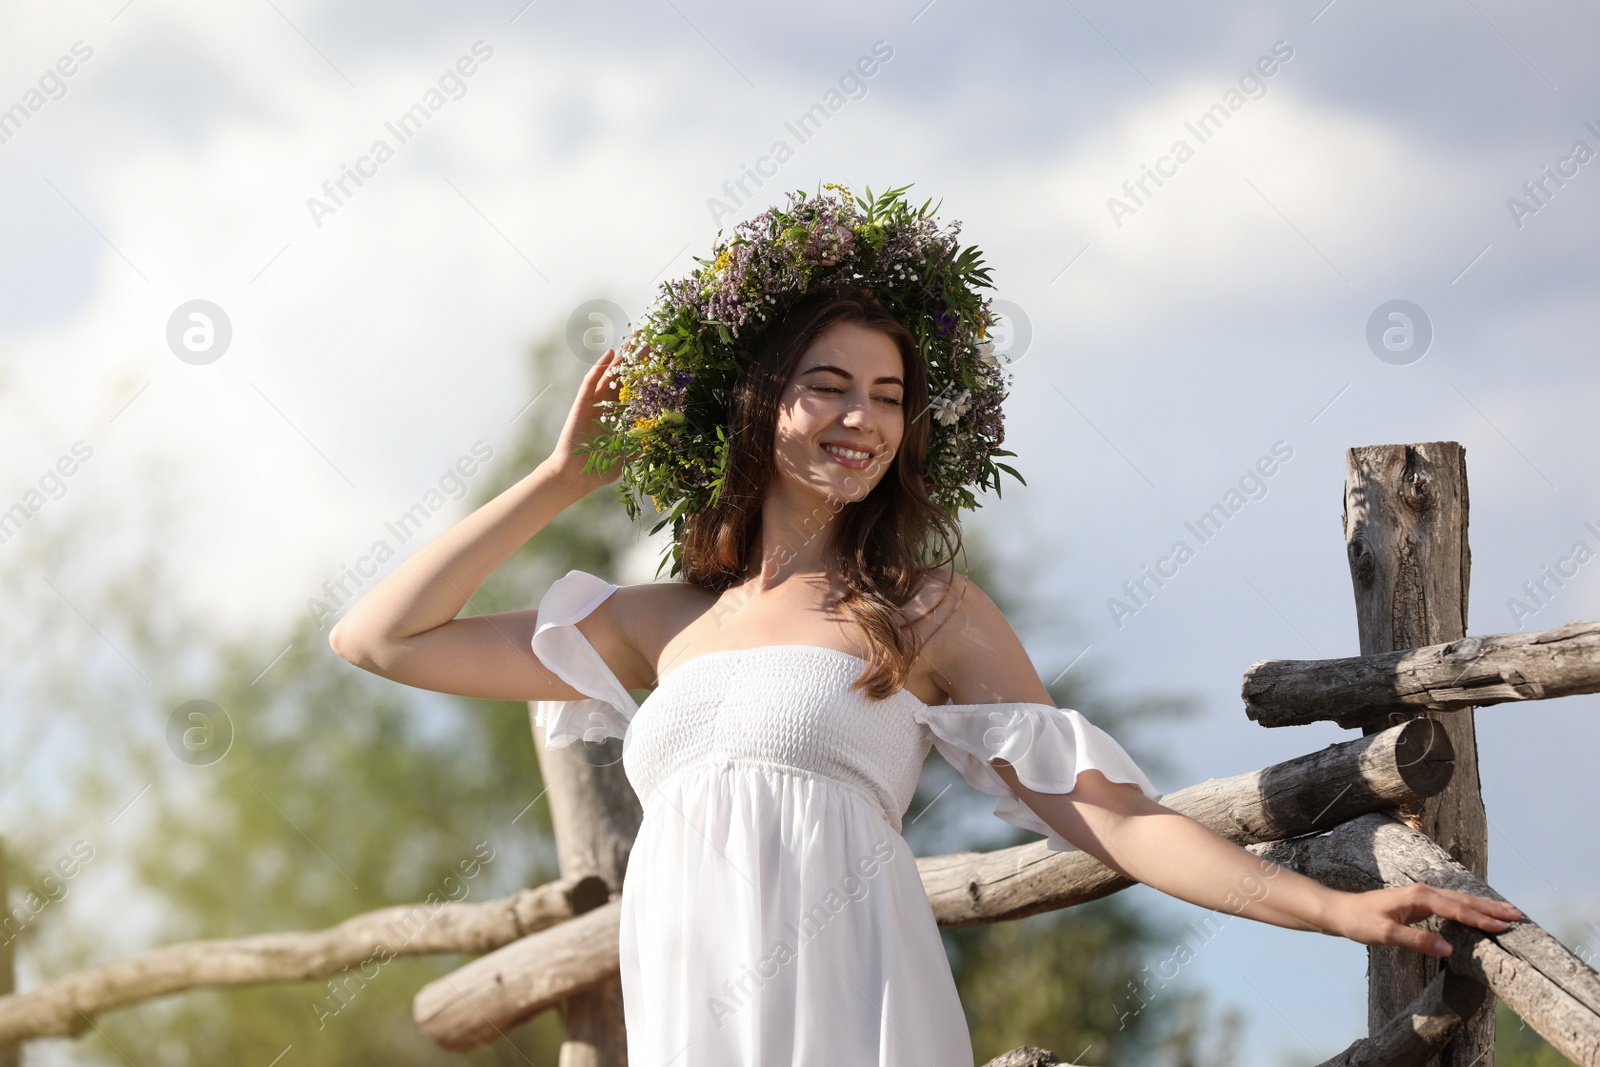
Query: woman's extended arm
[1139,838]
[405,628]
[979,660]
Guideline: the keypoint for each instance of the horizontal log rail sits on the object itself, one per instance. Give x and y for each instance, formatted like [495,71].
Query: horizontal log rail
[1301,796]
[1472,672]
[66,1006]
[476,1003]
[1551,989]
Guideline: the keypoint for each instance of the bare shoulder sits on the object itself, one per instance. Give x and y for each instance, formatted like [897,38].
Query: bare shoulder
[969,644]
[949,601]
[650,611]
[629,628]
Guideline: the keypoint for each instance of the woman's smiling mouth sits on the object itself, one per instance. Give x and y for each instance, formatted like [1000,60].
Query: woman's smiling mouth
[854,458]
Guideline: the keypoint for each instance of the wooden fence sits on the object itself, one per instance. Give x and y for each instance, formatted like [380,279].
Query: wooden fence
[1398,804]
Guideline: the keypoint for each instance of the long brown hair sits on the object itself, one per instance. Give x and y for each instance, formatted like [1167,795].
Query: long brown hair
[882,545]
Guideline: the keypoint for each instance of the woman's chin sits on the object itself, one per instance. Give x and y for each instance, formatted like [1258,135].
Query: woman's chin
[826,488]
[848,485]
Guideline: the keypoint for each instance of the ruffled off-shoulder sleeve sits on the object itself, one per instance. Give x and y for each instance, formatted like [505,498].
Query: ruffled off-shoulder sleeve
[1047,746]
[561,647]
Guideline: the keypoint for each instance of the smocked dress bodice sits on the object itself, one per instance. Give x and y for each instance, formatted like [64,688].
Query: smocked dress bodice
[771,912]
[782,706]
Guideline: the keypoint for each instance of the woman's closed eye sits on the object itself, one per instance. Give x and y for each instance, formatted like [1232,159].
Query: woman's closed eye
[835,390]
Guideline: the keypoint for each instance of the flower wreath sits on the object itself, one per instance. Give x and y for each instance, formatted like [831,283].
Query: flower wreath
[676,371]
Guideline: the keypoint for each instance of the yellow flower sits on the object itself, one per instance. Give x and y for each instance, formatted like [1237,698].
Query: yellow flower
[625,393]
[720,264]
[643,426]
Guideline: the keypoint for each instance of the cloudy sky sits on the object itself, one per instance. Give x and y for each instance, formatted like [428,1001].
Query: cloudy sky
[160,152]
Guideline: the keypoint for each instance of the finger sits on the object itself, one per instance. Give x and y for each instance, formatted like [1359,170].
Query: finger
[1503,908]
[613,364]
[1487,905]
[1480,912]
[596,381]
[1425,941]
[598,369]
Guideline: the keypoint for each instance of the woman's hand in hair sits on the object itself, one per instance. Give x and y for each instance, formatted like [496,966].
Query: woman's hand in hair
[583,424]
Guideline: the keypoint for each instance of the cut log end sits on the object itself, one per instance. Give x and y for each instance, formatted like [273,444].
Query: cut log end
[591,891]
[1424,756]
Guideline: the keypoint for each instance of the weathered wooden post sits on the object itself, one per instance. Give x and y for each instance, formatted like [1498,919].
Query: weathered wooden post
[1405,526]
[596,816]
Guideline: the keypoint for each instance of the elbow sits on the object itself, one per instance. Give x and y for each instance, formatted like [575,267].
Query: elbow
[339,641]
[348,646]
[361,645]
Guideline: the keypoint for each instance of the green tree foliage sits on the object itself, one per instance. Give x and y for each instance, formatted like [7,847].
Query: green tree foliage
[1517,1045]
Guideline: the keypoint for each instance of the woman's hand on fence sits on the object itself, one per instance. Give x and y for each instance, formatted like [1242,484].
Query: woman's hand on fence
[1384,916]
[582,425]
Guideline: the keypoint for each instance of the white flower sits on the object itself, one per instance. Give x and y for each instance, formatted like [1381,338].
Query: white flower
[986,352]
[948,412]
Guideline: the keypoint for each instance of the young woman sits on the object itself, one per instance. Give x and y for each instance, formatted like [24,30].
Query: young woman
[800,671]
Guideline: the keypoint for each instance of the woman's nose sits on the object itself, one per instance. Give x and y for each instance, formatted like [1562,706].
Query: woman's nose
[858,415]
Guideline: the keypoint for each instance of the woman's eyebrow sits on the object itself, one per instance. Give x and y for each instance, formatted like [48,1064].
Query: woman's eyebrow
[841,372]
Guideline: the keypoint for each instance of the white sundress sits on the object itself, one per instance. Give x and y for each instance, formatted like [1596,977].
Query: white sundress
[771,911]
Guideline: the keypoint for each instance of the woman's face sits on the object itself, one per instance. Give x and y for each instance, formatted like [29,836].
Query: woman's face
[841,416]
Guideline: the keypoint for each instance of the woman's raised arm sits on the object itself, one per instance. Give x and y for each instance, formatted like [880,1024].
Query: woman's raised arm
[405,628]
